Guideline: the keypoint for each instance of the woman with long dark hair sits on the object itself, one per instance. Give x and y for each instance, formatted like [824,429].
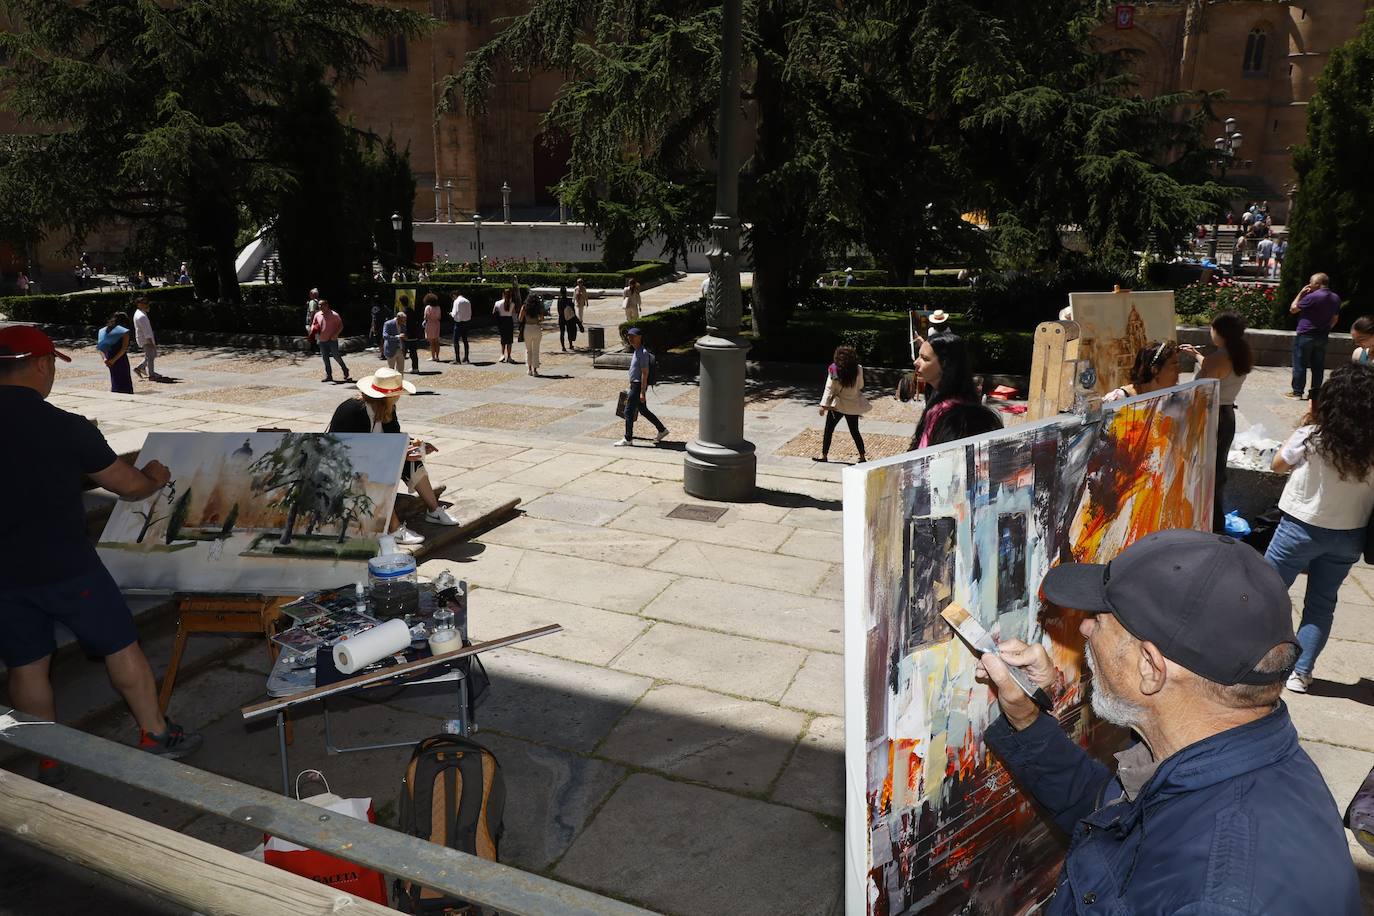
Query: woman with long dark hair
[1156,366]
[531,316]
[1229,363]
[942,364]
[843,397]
[113,344]
[1326,504]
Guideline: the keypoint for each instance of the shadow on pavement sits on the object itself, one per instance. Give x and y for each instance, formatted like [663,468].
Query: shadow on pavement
[1361,692]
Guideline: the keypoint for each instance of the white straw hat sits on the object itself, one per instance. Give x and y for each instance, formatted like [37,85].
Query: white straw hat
[939,316]
[385,383]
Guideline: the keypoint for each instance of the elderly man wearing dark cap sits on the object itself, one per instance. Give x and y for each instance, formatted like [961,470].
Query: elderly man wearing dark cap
[1216,809]
[49,570]
[637,398]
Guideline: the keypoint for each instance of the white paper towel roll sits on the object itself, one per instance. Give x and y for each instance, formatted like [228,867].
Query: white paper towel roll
[359,651]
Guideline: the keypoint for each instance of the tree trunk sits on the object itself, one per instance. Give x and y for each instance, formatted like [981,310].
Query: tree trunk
[773,296]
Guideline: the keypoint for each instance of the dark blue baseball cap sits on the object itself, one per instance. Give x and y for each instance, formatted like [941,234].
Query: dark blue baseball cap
[1207,601]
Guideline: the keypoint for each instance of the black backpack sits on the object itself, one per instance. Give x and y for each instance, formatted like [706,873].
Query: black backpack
[653,366]
[461,778]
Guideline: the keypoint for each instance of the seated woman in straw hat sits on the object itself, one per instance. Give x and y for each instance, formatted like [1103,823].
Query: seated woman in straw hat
[374,411]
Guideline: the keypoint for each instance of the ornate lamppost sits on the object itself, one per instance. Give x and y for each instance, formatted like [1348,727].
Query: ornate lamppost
[1225,146]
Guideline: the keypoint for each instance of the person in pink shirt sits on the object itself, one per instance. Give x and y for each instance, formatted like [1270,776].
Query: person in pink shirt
[327,325]
[432,319]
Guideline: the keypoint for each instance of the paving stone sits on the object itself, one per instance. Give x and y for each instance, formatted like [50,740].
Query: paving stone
[477,455]
[647,842]
[547,700]
[729,664]
[1338,702]
[550,795]
[603,484]
[819,685]
[559,471]
[706,737]
[820,519]
[814,778]
[582,510]
[743,567]
[832,586]
[627,548]
[589,635]
[780,617]
[741,533]
[641,468]
[482,564]
[814,545]
[586,582]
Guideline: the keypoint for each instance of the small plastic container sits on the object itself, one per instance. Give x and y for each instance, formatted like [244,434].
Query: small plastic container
[394,585]
[444,636]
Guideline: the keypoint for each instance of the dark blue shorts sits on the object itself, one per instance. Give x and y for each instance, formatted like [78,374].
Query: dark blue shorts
[89,604]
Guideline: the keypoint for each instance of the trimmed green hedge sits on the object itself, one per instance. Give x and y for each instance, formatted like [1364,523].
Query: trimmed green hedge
[176,309]
[885,298]
[644,272]
[880,337]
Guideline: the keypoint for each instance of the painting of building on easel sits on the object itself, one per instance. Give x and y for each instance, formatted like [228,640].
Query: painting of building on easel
[240,507]
[933,823]
[1113,327]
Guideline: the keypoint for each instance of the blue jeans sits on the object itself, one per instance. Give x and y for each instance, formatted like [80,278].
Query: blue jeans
[328,349]
[1309,352]
[1327,555]
[633,409]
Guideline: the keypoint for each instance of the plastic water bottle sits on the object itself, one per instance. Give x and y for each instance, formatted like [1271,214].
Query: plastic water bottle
[393,582]
[453,726]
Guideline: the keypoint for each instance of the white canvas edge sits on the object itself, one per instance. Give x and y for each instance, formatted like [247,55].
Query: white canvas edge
[855,494]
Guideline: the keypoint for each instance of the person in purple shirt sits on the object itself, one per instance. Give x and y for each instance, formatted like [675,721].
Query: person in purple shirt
[1318,309]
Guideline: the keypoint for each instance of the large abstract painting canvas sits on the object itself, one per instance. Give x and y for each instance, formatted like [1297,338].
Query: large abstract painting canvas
[276,513]
[934,824]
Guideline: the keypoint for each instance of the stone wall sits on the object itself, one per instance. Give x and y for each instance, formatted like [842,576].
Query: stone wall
[1275,348]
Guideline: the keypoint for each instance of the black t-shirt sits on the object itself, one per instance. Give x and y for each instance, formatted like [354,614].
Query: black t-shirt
[43,521]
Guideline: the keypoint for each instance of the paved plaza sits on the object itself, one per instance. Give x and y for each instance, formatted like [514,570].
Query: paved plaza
[679,744]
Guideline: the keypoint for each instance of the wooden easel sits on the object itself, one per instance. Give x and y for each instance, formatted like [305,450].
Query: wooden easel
[220,614]
[1054,367]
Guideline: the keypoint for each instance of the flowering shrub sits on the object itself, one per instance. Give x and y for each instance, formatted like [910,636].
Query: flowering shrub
[1198,303]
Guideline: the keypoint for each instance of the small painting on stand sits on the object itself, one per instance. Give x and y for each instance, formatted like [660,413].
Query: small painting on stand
[270,513]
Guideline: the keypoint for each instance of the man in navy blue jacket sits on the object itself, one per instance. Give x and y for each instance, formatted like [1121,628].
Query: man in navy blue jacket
[1217,810]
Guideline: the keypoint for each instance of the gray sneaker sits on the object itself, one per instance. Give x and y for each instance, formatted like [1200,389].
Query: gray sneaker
[1299,682]
[174,743]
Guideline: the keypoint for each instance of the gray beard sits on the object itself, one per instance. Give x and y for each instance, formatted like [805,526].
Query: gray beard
[1107,705]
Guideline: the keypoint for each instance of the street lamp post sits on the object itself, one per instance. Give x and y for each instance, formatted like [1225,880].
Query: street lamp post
[477,222]
[396,223]
[1225,146]
[720,463]
[505,202]
[448,190]
[562,212]
[438,192]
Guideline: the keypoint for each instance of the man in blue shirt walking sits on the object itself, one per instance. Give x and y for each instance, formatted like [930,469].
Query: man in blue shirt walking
[1217,810]
[636,400]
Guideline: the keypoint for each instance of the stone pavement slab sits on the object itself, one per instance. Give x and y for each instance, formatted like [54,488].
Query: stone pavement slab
[778,617]
[814,545]
[746,856]
[716,661]
[742,567]
[738,533]
[626,548]
[584,510]
[814,778]
[705,737]
[819,685]
[590,635]
[586,582]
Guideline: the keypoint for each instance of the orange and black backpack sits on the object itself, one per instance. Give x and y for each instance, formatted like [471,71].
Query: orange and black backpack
[453,794]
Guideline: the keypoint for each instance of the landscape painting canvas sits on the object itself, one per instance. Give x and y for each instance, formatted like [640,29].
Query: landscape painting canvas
[1114,326]
[933,822]
[271,513]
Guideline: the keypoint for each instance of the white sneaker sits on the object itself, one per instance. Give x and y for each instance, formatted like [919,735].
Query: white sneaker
[619,442]
[440,516]
[662,434]
[407,538]
[1299,682]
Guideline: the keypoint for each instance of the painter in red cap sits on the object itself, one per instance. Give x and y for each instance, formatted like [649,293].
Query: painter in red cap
[20,341]
[47,457]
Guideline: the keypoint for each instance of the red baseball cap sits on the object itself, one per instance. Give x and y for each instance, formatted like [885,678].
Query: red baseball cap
[23,340]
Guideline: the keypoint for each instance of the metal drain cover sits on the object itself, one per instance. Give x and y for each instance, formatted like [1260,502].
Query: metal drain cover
[595,404]
[697,513]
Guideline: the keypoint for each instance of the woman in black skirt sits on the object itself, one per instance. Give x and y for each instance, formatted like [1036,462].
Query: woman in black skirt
[505,324]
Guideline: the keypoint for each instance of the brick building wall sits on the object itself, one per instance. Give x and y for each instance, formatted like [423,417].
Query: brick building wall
[1266,55]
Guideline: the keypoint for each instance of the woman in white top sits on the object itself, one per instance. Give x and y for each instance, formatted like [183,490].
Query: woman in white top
[531,314]
[1230,363]
[505,324]
[629,298]
[580,300]
[1326,504]
[843,397]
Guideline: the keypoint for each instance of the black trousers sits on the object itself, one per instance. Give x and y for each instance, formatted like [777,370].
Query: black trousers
[832,420]
[460,332]
[1226,432]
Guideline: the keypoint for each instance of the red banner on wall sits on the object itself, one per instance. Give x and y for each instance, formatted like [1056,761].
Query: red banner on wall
[1125,16]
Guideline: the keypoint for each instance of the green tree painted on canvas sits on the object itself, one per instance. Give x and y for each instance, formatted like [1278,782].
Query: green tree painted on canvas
[178,516]
[305,475]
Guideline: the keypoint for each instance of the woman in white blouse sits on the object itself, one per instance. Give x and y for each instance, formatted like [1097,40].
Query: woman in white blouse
[1326,504]
[843,397]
